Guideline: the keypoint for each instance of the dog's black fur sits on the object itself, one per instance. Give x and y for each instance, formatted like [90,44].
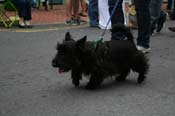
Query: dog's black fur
[109,58]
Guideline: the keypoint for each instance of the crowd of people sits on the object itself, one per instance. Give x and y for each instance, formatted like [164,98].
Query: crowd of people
[149,14]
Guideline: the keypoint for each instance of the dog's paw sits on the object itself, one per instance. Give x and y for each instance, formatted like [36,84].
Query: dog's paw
[140,79]
[90,86]
[75,82]
[120,79]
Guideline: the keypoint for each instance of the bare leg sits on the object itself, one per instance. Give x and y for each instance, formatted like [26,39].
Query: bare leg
[83,7]
[68,9]
[75,8]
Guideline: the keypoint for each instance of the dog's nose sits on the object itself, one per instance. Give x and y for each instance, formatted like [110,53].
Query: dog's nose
[54,63]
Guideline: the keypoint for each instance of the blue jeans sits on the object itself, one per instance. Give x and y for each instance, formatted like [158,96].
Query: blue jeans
[24,8]
[143,21]
[93,12]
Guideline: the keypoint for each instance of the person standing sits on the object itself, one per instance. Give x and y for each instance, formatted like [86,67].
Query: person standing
[24,12]
[144,24]
[93,13]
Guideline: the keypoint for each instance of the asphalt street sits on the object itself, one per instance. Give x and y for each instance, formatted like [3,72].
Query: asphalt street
[29,86]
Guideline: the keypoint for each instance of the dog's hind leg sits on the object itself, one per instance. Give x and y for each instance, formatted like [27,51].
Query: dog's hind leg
[141,66]
[76,76]
[142,72]
[123,74]
[141,78]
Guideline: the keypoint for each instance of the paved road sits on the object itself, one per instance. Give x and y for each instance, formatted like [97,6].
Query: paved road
[29,86]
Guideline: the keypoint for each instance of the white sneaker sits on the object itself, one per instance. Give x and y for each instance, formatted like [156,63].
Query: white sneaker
[143,49]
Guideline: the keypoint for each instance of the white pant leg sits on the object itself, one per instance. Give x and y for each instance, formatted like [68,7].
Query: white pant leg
[103,14]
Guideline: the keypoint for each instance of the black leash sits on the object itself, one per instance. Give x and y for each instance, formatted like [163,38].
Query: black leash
[104,32]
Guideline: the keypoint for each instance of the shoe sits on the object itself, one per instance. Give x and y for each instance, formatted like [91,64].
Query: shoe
[96,25]
[76,22]
[83,15]
[83,21]
[28,24]
[143,49]
[172,29]
[152,33]
[69,22]
[93,24]
[171,15]
[161,22]
[21,26]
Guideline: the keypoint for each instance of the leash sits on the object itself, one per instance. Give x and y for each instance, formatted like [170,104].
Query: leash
[104,32]
[115,6]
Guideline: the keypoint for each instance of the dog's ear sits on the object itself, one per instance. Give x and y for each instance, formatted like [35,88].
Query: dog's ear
[80,43]
[68,37]
[57,46]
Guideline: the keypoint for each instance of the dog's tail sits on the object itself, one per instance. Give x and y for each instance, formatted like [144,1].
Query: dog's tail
[123,29]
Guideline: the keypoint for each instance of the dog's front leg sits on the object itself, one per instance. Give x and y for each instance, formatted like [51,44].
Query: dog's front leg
[94,82]
[76,76]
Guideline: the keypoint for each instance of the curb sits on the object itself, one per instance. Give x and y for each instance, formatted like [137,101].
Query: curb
[44,27]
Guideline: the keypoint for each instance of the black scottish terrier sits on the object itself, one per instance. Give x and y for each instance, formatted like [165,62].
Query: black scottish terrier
[109,58]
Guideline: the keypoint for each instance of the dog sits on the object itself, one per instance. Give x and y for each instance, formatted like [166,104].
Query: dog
[100,60]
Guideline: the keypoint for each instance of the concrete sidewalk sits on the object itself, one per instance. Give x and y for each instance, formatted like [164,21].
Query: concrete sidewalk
[41,17]
[50,16]
[55,16]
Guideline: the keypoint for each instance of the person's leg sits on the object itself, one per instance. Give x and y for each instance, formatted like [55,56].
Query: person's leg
[21,11]
[174,9]
[93,13]
[143,20]
[68,11]
[155,9]
[171,9]
[169,5]
[76,20]
[103,14]
[173,5]
[172,28]
[28,16]
[126,5]
[83,7]
[117,17]
[28,10]
[75,8]
[161,21]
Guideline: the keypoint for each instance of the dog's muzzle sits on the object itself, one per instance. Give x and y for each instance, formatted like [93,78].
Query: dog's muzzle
[54,64]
